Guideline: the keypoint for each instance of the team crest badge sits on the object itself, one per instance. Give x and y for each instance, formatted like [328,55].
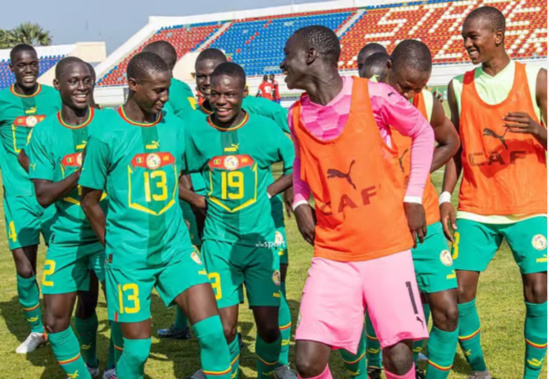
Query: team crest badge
[32,121]
[196,258]
[446,258]
[230,162]
[276,277]
[79,159]
[539,242]
[153,161]
[279,239]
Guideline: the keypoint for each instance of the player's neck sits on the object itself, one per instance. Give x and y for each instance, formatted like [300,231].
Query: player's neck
[234,123]
[134,112]
[72,116]
[497,64]
[25,91]
[324,88]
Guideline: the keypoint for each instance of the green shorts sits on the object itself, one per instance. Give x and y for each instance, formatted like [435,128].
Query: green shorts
[281,243]
[475,244]
[129,291]
[25,219]
[433,262]
[67,267]
[190,221]
[230,266]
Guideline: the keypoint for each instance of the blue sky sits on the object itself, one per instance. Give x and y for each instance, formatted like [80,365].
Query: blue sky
[113,21]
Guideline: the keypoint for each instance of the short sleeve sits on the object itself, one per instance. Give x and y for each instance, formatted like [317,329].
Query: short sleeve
[96,164]
[41,161]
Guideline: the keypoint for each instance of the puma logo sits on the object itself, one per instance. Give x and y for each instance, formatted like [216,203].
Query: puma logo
[32,319]
[490,133]
[334,173]
[535,362]
[73,375]
[390,94]
[31,110]
[153,145]
[33,166]
[420,321]
[401,158]
[232,149]
[81,146]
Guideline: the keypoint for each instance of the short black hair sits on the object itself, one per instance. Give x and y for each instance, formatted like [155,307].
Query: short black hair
[211,54]
[92,72]
[142,63]
[375,64]
[64,63]
[265,77]
[230,69]
[496,19]
[412,54]
[370,49]
[322,39]
[19,48]
[165,50]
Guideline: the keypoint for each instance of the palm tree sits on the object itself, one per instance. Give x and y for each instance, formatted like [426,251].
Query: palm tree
[4,44]
[29,33]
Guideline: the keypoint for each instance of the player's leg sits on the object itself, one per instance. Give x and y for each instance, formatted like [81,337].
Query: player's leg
[22,216]
[355,364]
[475,244]
[86,324]
[373,350]
[528,241]
[436,280]
[192,292]
[331,315]
[284,314]
[398,319]
[128,304]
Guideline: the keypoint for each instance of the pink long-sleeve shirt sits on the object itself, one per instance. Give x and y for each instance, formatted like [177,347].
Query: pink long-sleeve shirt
[326,122]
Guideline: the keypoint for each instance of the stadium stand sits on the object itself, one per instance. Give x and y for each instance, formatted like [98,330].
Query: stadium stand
[7,78]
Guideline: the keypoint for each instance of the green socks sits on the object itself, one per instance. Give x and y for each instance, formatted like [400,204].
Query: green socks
[535,334]
[441,348]
[214,352]
[116,345]
[355,364]
[373,349]
[418,345]
[29,298]
[181,321]
[267,356]
[86,330]
[132,362]
[469,335]
[66,349]
[234,351]
[285,325]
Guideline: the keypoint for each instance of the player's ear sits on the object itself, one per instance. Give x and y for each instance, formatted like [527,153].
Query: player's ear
[312,54]
[11,66]
[389,65]
[56,84]
[500,36]
[132,84]
[245,92]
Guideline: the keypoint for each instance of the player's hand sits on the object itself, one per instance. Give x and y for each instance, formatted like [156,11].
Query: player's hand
[415,213]
[199,202]
[288,201]
[306,222]
[521,122]
[438,95]
[448,215]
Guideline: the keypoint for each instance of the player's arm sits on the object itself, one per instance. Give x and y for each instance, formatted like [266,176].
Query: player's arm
[23,160]
[93,180]
[284,153]
[452,171]
[48,192]
[521,122]
[446,137]
[187,193]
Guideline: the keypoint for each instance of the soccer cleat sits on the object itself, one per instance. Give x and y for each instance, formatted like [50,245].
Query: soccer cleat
[198,375]
[33,342]
[110,374]
[420,374]
[374,373]
[480,375]
[284,372]
[170,332]
[94,371]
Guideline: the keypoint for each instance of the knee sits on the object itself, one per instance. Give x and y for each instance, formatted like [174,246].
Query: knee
[398,359]
[446,319]
[138,354]
[230,332]
[308,367]
[24,269]
[269,333]
[535,291]
[56,323]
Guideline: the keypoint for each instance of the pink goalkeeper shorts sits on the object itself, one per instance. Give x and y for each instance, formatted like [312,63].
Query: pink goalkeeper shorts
[337,294]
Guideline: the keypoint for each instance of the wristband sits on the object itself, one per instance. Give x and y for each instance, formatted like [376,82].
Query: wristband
[298,203]
[413,199]
[445,197]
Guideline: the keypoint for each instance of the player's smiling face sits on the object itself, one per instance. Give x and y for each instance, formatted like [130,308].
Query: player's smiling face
[151,91]
[25,68]
[204,70]
[480,40]
[226,97]
[75,85]
[407,81]
[294,65]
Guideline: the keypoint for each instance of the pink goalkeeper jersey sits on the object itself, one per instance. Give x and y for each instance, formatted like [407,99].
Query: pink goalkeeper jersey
[326,122]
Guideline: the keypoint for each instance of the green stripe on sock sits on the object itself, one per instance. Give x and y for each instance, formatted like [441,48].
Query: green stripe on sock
[535,334]
[355,364]
[285,325]
[441,349]
[267,356]
[29,298]
[373,348]
[469,335]
[66,349]
[214,352]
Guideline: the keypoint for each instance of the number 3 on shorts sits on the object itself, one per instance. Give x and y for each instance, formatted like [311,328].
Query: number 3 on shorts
[455,246]
[131,291]
[215,280]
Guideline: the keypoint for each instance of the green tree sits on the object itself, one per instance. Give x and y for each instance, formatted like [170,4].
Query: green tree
[27,32]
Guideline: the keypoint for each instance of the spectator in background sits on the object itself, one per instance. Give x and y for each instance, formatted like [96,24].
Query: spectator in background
[265,89]
[276,93]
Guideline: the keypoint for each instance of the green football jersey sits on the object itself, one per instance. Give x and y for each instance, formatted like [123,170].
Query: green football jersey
[19,114]
[236,167]
[55,152]
[181,99]
[138,165]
